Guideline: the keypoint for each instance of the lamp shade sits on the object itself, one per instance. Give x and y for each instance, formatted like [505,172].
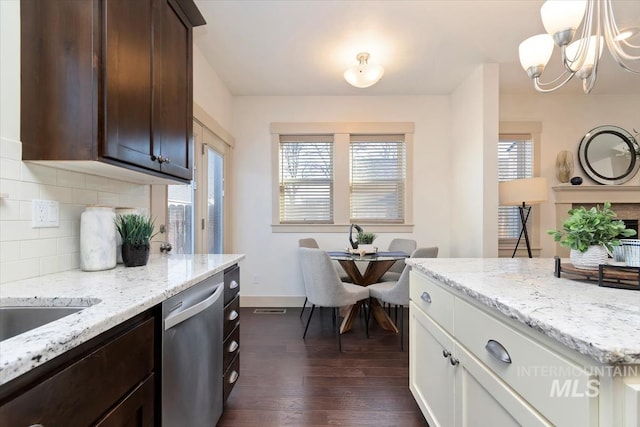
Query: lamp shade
[530,191]
[536,51]
[562,15]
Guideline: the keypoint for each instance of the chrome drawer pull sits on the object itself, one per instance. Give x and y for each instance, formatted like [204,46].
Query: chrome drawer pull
[233,284]
[426,297]
[233,377]
[233,315]
[454,361]
[498,351]
[446,353]
[233,346]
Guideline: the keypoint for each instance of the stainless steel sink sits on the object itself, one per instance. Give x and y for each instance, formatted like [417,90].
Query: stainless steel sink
[16,320]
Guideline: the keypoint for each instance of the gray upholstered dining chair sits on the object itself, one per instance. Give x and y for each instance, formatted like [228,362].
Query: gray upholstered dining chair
[398,245]
[324,288]
[397,292]
[308,242]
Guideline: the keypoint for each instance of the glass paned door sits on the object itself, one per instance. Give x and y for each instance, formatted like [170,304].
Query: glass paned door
[215,202]
[180,218]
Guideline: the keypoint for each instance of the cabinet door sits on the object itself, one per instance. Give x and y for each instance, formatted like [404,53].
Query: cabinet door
[431,376]
[483,400]
[127,91]
[135,410]
[173,93]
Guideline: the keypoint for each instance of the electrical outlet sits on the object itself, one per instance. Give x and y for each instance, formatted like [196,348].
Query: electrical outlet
[45,213]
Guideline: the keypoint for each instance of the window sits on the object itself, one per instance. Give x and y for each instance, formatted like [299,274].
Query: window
[515,161]
[377,165]
[518,154]
[306,179]
[333,174]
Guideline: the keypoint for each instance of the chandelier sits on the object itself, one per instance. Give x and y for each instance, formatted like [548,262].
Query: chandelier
[562,19]
[364,74]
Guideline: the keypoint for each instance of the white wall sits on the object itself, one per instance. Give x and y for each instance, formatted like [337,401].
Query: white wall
[271,265]
[565,119]
[473,173]
[209,91]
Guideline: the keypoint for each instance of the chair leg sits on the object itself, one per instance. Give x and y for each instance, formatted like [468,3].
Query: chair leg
[303,306]
[313,306]
[335,313]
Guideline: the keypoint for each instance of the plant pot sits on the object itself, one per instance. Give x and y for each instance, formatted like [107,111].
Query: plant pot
[590,259]
[135,255]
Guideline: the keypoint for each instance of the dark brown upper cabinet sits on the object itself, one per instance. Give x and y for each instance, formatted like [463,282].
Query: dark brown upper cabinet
[109,82]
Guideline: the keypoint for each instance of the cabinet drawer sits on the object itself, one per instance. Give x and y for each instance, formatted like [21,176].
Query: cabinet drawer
[231,377]
[79,394]
[231,283]
[230,348]
[432,299]
[561,390]
[231,316]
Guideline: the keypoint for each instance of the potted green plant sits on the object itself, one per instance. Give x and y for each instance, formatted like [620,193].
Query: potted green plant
[136,231]
[365,242]
[591,234]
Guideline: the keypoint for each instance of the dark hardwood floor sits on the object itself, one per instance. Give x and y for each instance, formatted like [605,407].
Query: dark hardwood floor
[285,381]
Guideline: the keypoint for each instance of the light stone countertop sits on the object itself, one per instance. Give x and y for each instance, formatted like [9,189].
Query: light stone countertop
[111,296]
[599,322]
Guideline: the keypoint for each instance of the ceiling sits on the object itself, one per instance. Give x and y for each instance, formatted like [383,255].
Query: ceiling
[302,47]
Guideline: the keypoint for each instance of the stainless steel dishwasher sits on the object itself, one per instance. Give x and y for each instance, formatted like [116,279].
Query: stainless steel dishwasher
[192,355]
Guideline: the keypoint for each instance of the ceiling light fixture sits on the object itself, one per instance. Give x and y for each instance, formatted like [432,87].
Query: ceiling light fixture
[561,19]
[364,74]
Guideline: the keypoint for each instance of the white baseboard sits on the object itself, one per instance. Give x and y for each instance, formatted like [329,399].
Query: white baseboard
[271,301]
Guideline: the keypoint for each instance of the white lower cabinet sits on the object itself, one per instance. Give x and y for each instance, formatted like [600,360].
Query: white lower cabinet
[453,388]
[470,366]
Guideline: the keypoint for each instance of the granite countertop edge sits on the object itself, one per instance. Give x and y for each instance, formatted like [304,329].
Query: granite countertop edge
[559,320]
[109,297]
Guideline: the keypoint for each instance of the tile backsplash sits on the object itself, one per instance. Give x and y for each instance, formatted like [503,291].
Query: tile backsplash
[29,252]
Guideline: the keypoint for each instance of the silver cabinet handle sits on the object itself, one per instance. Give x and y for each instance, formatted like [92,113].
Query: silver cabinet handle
[233,284]
[167,160]
[233,377]
[36,425]
[233,346]
[498,351]
[426,297]
[453,361]
[446,353]
[233,315]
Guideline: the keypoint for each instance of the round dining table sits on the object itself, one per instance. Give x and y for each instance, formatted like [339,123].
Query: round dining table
[377,264]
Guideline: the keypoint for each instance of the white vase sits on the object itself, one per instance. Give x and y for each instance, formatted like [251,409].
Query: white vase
[97,238]
[590,259]
[122,211]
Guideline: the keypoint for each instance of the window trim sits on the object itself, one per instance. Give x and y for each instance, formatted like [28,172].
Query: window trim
[341,132]
[506,246]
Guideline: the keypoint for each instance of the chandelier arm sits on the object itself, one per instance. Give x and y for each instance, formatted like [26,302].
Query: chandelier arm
[617,47]
[542,87]
[589,82]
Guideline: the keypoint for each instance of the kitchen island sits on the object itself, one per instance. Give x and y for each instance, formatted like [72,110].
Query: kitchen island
[505,341]
[111,297]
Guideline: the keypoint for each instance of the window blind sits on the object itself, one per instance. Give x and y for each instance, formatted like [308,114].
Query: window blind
[306,179]
[515,161]
[377,178]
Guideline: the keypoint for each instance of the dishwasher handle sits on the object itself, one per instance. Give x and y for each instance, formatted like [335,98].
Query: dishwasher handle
[178,318]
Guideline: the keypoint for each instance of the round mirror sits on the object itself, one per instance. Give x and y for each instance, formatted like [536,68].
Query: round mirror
[609,155]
